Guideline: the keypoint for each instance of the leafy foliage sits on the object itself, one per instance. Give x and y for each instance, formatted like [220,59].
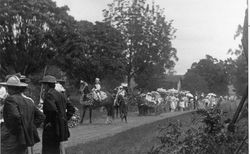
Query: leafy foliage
[29,33]
[96,53]
[147,34]
[194,83]
[208,134]
[238,67]
[211,73]
[238,71]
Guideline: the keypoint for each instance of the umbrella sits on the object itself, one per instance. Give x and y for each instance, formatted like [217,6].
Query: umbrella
[172,90]
[161,90]
[184,92]
[211,94]
[189,95]
[155,93]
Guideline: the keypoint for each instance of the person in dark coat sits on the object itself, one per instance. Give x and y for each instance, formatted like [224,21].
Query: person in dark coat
[58,111]
[21,118]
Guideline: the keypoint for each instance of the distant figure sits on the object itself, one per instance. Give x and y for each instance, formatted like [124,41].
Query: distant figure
[21,117]
[58,111]
[97,88]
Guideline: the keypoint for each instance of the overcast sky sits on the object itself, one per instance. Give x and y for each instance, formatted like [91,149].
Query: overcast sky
[203,26]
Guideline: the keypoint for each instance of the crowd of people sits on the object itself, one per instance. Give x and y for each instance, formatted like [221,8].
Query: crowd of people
[173,100]
[21,117]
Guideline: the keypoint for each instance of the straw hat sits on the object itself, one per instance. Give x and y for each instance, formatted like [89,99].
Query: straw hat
[97,80]
[48,79]
[22,78]
[14,81]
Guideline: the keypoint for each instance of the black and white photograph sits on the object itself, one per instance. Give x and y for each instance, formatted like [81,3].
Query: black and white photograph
[124,77]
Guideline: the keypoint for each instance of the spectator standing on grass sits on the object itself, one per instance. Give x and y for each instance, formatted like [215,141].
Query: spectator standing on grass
[58,111]
[26,80]
[21,117]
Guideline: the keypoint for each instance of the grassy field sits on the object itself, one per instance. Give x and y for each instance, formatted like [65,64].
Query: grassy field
[133,141]
[137,140]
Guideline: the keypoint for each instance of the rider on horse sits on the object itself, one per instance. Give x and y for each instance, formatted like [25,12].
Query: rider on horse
[97,88]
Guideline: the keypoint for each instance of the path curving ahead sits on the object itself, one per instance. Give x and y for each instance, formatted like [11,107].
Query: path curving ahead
[98,130]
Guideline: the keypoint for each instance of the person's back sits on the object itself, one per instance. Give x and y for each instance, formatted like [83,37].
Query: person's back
[61,117]
[21,118]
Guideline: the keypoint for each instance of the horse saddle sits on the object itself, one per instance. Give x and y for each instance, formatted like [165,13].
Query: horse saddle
[100,96]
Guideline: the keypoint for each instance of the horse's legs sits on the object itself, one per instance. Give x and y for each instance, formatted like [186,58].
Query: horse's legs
[90,115]
[110,113]
[117,111]
[126,113]
[121,113]
[83,113]
[125,117]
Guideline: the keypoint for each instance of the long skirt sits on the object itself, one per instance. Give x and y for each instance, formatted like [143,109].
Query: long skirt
[50,142]
[9,143]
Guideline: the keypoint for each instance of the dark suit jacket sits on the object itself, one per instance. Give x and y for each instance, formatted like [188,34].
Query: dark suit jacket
[21,117]
[58,111]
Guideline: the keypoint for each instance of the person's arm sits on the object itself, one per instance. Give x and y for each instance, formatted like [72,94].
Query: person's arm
[70,110]
[39,117]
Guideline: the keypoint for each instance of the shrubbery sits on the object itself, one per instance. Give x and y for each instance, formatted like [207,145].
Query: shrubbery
[208,134]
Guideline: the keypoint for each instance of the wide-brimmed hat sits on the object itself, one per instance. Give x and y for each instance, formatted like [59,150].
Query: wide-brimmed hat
[48,79]
[14,81]
[22,78]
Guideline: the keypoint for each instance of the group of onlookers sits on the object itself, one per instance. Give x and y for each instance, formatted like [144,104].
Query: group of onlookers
[21,117]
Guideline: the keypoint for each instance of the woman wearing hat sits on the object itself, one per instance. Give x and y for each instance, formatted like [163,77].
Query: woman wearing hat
[21,118]
[58,111]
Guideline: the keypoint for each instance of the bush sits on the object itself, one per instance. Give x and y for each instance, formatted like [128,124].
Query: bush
[208,134]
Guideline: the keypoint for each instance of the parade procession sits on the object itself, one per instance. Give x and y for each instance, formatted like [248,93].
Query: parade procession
[124,77]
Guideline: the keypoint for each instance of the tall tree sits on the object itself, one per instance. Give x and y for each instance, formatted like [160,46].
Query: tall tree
[194,83]
[214,74]
[238,68]
[147,34]
[31,33]
[96,53]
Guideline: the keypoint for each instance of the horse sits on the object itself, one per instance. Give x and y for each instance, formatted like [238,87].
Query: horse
[121,104]
[146,107]
[88,101]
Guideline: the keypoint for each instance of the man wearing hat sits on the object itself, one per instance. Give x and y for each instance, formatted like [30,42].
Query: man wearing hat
[58,111]
[21,117]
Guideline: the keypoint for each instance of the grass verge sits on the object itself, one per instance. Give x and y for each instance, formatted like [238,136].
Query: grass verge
[133,141]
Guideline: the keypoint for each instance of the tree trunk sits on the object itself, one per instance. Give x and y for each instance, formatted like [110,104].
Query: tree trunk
[240,106]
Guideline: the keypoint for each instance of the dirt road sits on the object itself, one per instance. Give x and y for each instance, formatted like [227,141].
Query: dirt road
[90,132]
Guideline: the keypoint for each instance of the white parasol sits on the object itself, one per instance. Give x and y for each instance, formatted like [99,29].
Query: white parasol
[172,90]
[161,90]
[211,94]
[189,95]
